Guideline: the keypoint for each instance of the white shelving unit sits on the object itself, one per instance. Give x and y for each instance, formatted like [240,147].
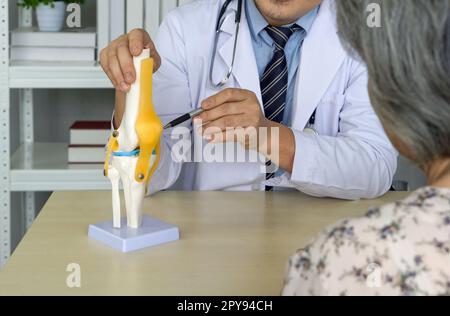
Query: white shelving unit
[54,75]
[40,167]
[5,197]
[34,170]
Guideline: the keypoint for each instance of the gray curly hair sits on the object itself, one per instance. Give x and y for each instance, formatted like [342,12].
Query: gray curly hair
[408,60]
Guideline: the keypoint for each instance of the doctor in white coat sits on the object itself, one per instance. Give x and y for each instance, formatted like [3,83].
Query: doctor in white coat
[348,156]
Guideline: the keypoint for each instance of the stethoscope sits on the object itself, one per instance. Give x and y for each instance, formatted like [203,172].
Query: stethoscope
[220,20]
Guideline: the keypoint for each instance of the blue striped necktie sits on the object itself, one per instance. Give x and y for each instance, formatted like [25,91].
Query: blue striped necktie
[274,81]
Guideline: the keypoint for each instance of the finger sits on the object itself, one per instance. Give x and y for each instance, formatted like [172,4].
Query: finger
[138,40]
[225,96]
[154,54]
[247,137]
[126,63]
[227,136]
[225,109]
[104,62]
[116,71]
[147,40]
[227,122]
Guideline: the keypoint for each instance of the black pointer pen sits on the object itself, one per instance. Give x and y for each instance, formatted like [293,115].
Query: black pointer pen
[184,118]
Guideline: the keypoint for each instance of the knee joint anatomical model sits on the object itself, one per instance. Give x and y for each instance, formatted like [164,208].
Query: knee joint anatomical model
[134,149]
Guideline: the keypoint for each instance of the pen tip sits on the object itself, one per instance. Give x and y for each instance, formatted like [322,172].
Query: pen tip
[167,126]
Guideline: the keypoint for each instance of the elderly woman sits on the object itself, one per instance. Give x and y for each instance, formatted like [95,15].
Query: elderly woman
[402,248]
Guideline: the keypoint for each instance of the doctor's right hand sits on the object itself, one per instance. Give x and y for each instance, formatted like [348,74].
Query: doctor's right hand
[117,58]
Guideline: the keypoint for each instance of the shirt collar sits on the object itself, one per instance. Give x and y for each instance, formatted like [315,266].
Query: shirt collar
[257,23]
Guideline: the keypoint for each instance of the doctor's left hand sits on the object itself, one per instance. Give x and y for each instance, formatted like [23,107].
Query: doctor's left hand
[235,115]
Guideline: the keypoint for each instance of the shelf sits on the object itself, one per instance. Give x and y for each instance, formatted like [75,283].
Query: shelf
[57,75]
[42,167]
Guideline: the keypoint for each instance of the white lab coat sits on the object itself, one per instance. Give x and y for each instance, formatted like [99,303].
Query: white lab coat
[350,159]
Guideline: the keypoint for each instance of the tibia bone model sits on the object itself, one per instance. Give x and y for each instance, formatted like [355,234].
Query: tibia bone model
[134,149]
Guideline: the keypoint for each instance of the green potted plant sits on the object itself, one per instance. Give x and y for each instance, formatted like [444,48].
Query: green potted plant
[50,13]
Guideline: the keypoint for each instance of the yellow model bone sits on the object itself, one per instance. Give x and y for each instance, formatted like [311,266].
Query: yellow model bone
[149,127]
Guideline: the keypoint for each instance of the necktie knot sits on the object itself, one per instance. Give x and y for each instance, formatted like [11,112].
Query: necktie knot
[281,35]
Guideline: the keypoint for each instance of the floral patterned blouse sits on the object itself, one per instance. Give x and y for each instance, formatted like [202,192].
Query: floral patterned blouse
[398,249]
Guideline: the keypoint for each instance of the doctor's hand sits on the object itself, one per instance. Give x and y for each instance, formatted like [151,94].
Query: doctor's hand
[235,115]
[117,58]
[229,112]
[117,62]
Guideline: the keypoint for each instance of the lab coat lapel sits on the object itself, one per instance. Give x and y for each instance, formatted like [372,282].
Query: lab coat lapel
[245,69]
[322,56]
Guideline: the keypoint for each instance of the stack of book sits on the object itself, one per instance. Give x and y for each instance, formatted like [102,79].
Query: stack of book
[88,141]
[29,44]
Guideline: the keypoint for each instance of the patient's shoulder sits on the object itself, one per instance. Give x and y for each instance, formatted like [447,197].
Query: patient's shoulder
[397,247]
[427,208]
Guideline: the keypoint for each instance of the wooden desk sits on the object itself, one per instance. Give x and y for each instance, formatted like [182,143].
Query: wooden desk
[232,244]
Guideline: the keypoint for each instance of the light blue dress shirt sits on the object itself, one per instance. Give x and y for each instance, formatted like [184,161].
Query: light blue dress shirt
[264,48]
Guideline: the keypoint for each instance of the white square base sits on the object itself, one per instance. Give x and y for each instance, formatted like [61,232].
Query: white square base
[152,233]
